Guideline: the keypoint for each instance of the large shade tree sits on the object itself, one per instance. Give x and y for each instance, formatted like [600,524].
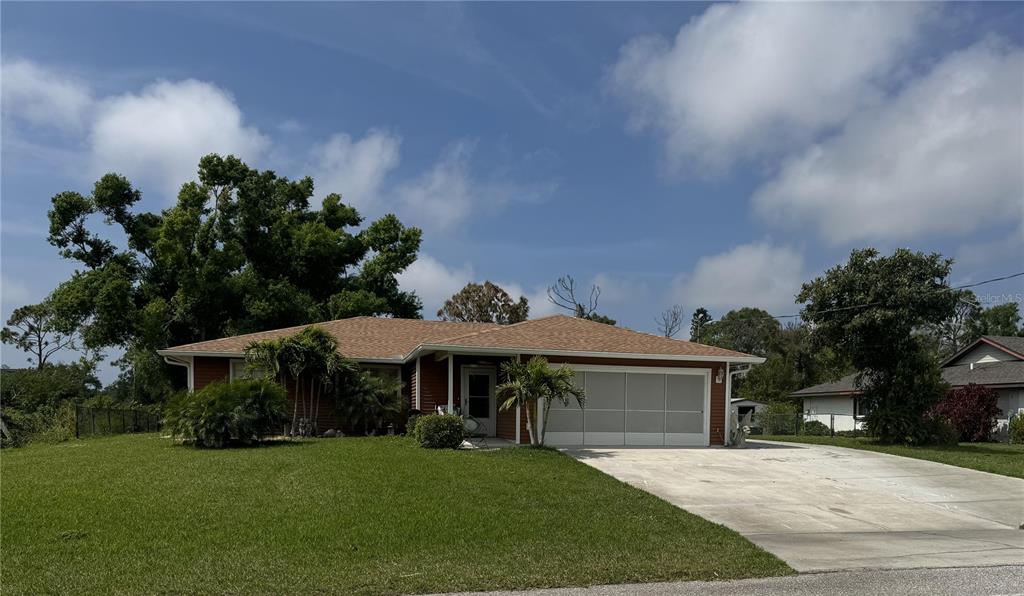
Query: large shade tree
[868,310]
[241,250]
[484,303]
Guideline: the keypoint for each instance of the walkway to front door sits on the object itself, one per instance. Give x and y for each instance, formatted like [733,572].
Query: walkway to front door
[822,508]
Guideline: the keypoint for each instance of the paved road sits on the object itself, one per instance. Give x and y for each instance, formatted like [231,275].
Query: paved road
[971,581]
[829,508]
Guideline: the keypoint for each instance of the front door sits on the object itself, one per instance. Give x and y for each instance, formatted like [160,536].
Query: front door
[478,397]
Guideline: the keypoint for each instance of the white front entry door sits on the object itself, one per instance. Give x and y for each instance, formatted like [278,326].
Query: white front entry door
[478,397]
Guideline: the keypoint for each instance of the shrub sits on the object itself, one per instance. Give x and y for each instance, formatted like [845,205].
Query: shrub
[778,418]
[935,431]
[1016,429]
[972,410]
[440,431]
[816,428]
[243,411]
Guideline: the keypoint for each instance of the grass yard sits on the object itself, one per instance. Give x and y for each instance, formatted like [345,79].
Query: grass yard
[998,458]
[134,514]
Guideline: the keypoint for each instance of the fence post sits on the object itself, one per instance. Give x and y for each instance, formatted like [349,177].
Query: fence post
[93,412]
[123,430]
[76,421]
[832,425]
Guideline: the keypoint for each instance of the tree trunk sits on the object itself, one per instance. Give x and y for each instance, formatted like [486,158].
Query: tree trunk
[529,425]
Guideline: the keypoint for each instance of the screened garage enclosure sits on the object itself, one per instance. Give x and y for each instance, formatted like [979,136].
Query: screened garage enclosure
[634,406]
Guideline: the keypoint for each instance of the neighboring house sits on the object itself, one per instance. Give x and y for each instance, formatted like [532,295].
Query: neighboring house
[994,361]
[641,389]
[746,409]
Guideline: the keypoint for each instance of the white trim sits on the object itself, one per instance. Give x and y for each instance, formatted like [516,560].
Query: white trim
[451,385]
[727,433]
[542,352]
[519,417]
[419,380]
[666,370]
[190,377]
[492,410]
[445,350]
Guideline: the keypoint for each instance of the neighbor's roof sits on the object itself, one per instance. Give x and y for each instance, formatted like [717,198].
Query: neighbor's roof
[370,338]
[994,374]
[1010,344]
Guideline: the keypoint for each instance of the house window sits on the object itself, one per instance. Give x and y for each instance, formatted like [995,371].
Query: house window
[240,371]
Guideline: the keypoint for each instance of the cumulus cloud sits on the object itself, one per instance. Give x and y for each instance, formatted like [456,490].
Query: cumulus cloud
[751,79]
[159,134]
[944,155]
[760,275]
[355,169]
[433,281]
[44,97]
[443,196]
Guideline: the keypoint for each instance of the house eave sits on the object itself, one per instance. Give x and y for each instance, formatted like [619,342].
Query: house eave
[454,349]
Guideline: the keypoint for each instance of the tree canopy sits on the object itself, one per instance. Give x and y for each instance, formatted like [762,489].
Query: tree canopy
[747,330]
[241,250]
[484,303]
[868,310]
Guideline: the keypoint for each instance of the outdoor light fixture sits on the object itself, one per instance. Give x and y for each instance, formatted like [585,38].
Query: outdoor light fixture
[718,377]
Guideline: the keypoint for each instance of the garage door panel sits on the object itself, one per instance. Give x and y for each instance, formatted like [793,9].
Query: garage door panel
[604,421]
[580,381]
[606,391]
[684,422]
[685,393]
[645,422]
[592,438]
[649,439]
[645,391]
[565,420]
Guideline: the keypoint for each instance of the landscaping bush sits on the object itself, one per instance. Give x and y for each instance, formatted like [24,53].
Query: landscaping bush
[816,428]
[440,431]
[971,410]
[936,431]
[778,418]
[1016,429]
[220,413]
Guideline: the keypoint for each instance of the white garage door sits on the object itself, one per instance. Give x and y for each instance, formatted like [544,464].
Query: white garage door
[635,406]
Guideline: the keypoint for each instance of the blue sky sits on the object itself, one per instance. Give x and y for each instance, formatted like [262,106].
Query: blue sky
[689,154]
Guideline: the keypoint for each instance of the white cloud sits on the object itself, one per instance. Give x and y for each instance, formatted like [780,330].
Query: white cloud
[537,298]
[433,281]
[355,169]
[44,97]
[751,79]
[443,196]
[944,156]
[158,135]
[759,275]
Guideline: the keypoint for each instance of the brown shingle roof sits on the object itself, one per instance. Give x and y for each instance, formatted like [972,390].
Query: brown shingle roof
[561,333]
[370,338]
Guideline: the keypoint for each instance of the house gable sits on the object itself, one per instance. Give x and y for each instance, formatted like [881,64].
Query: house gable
[987,350]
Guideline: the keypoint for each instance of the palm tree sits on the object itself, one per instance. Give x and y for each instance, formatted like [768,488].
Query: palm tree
[526,383]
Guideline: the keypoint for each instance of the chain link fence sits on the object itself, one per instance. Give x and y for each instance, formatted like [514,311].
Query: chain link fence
[821,425]
[112,421]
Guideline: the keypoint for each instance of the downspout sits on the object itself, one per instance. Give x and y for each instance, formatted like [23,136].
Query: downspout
[728,399]
[190,377]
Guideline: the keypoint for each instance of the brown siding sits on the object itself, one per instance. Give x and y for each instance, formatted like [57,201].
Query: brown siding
[409,384]
[434,384]
[207,370]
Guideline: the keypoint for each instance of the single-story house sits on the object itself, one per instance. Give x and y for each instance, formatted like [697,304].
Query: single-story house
[641,389]
[994,361]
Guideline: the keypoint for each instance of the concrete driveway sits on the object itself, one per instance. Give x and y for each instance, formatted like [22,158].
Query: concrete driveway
[827,508]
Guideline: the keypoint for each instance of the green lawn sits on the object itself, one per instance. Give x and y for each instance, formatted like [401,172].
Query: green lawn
[134,514]
[998,458]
